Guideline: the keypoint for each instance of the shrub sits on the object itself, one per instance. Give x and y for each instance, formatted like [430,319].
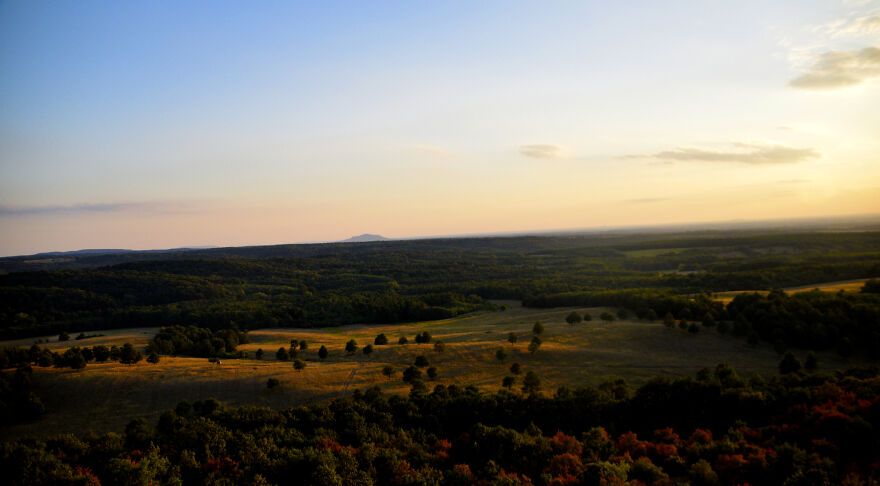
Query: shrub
[573,318]
[272,383]
[381,340]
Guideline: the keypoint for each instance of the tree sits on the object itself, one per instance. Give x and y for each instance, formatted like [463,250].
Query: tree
[516,368]
[531,383]
[303,345]
[511,338]
[421,361]
[101,353]
[388,370]
[812,363]
[538,328]
[789,364]
[534,345]
[368,349]
[622,314]
[501,354]
[669,320]
[606,316]
[440,346]
[508,382]
[322,353]
[381,340]
[423,338]
[432,372]
[64,336]
[299,365]
[129,355]
[153,358]
[282,354]
[402,340]
[871,286]
[294,344]
[351,346]
[411,374]
[573,318]
[587,316]
[259,353]
[272,383]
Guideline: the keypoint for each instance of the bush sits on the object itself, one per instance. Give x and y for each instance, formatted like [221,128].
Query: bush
[381,340]
[351,346]
[322,353]
[368,349]
[299,365]
[512,338]
[402,340]
[388,370]
[411,374]
[272,383]
[531,383]
[789,364]
[508,382]
[501,354]
[534,345]
[516,368]
[282,354]
[421,361]
[432,372]
[440,346]
[538,329]
[259,353]
[606,316]
[573,318]
[153,358]
[423,338]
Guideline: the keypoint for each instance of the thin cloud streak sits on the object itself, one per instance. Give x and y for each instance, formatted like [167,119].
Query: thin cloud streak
[87,208]
[751,154]
[542,151]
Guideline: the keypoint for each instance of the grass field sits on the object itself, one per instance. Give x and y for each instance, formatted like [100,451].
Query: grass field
[844,285]
[104,397]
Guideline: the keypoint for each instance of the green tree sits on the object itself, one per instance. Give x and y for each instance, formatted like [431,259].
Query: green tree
[299,365]
[432,372]
[606,316]
[272,383]
[402,340]
[534,345]
[303,345]
[259,353]
[282,354]
[411,374]
[322,353]
[129,355]
[153,358]
[511,338]
[538,328]
[508,382]
[388,370]
[101,353]
[501,354]
[421,361]
[531,383]
[381,340]
[368,349]
[587,316]
[516,368]
[440,346]
[351,346]
[573,318]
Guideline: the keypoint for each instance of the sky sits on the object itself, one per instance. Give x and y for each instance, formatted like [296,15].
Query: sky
[164,124]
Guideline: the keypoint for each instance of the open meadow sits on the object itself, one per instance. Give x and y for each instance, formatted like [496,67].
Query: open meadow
[105,396]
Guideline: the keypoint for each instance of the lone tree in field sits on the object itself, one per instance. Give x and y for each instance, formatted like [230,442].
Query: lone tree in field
[440,346]
[259,353]
[511,338]
[669,320]
[432,372]
[421,361]
[573,318]
[368,349]
[501,354]
[789,364]
[388,370]
[299,365]
[153,358]
[508,382]
[538,328]
[534,345]
[587,317]
[423,338]
[129,355]
[516,368]
[272,383]
[303,345]
[381,340]
[606,316]
[351,346]
[322,353]
[282,354]
[412,374]
[531,383]
[402,340]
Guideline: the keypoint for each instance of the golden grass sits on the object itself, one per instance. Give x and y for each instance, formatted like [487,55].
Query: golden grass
[104,397]
[844,285]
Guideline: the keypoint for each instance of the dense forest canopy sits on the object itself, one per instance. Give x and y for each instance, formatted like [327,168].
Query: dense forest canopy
[399,281]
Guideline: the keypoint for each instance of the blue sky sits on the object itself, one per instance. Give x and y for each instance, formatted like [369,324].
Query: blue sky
[163,124]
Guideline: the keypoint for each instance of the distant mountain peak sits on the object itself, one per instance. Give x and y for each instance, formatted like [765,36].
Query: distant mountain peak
[365,238]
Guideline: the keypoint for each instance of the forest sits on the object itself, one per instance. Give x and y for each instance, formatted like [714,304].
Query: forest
[715,428]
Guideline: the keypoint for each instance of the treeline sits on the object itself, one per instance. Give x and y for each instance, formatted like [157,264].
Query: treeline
[198,341]
[644,301]
[75,357]
[717,428]
[412,281]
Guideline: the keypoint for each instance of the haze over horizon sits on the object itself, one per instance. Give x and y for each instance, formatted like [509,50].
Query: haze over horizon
[164,125]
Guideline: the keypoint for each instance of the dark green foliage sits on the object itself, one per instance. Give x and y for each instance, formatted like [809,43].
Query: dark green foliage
[402,340]
[368,349]
[871,286]
[282,354]
[534,345]
[440,346]
[538,329]
[512,338]
[303,345]
[381,340]
[198,341]
[508,382]
[683,324]
[573,318]
[411,373]
[388,370]
[101,353]
[531,383]
[272,383]
[423,337]
[651,315]
[587,316]
[606,316]
[516,368]
[693,328]
[153,358]
[299,365]
[322,352]
[501,354]
[17,402]
[669,320]
[431,372]
[129,355]
[421,361]
[351,346]
[259,354]
[789,364]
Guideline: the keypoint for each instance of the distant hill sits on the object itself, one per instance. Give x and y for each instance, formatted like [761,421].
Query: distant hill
[364,238]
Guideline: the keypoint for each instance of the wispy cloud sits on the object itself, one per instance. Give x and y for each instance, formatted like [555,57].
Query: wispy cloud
[743,153]
[87,208]
[646,200]
[839,69]
[542,151]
